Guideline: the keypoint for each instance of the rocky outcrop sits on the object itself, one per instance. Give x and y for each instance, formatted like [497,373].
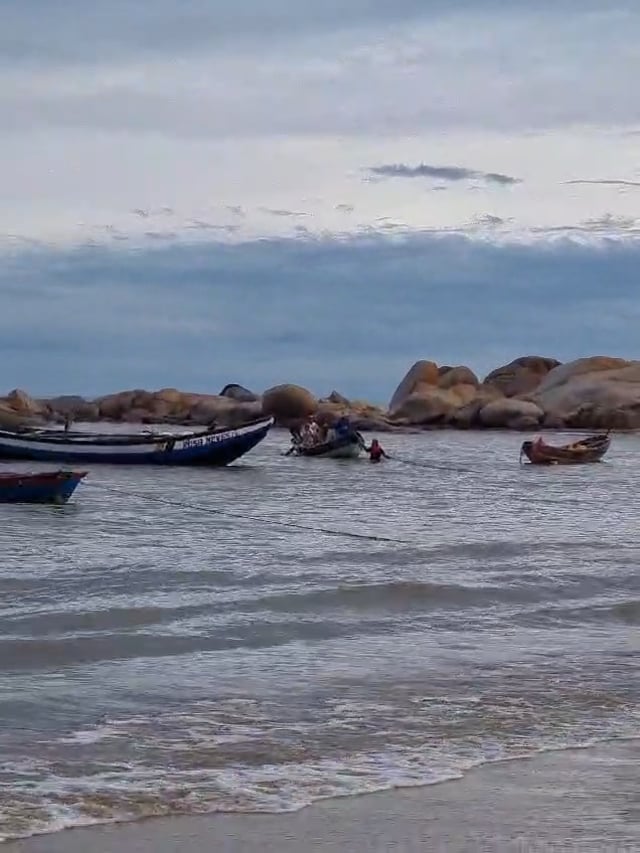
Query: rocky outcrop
[520,376]
[592,393]
[529,393]
[288,403]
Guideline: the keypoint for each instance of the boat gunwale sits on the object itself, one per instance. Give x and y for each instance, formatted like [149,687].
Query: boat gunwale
[57,438]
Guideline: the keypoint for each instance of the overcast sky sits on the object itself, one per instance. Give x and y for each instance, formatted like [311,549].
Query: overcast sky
[185,130]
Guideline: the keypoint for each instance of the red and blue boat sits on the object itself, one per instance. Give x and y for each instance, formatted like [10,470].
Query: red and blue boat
[39,487]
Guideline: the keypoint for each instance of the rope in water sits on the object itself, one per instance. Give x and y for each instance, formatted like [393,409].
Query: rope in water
[456,469]
[327,531]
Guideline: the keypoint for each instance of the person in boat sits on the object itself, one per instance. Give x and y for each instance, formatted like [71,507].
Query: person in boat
[343,427]
[296,439]
[310,433]
[376,451]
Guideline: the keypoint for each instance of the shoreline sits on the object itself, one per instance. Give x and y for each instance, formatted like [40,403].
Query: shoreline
[575,799]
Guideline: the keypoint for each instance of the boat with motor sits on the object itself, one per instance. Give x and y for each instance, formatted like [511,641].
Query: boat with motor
[209,447]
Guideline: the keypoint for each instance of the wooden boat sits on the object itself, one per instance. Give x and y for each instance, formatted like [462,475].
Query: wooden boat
[344,447]
[206,447]
[590,449]
[44,487]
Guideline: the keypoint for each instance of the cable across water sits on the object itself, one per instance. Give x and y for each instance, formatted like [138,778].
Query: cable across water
[248,517]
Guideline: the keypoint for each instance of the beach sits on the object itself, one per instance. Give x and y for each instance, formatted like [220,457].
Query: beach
[572,801]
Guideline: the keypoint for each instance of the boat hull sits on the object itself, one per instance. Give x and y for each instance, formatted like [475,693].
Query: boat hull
[209,448]
[50,487]
[349,448]
[588,450]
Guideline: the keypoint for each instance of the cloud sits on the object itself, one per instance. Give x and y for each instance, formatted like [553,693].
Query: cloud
[443,173]
[98,319]
[606,182]
[282,212]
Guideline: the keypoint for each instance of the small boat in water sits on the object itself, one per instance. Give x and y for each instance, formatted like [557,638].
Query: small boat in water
[343,447]
[212,446]
[42,487]
[590,449]
[340,441]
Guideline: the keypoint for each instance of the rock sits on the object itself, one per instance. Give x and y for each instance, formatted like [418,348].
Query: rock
[363,416]
[463,393]
[592,393]
[551,421]
[113,406]
[468,415]
[23,404]
[10,419]
[510,413]
[423,408]
[143,399]
[288,403]
[77,407]
[522,375]
[457,376]
[335,397]
[136,416]
[238,393]
[423,373]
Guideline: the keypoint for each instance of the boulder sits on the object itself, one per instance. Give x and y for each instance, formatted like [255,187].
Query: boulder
[423,373]
[238,393]
[10,419]
[468,415]
[23,404]
[171,396]
[522,375]
[424,408]
[288,403]
[363,416]
[460,375]
[336,397]
[113,406]
[511,414]
[592,393]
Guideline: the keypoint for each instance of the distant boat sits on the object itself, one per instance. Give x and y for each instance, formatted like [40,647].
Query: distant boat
[44,487]
[590,449]
[206,447]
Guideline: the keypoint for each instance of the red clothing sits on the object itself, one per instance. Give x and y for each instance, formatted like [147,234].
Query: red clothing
[375,453]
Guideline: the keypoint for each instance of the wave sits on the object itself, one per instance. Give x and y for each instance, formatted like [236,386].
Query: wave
[60,804]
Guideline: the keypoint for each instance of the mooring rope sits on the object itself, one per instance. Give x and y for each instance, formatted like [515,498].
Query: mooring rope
[327,531]
[456,469]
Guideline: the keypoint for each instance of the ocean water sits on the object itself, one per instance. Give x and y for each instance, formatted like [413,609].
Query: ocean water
[159,657]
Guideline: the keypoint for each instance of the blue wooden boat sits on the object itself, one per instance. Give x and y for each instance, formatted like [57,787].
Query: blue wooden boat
[206,447]
[42,487]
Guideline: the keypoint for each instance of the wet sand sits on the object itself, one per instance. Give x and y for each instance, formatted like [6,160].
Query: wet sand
[578,800]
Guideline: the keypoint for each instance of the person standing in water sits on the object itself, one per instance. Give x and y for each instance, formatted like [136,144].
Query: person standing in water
[376,451]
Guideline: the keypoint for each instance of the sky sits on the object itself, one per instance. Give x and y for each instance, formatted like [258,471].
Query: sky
[194,192]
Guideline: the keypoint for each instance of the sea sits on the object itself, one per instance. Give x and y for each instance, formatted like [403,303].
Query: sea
[260,637]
